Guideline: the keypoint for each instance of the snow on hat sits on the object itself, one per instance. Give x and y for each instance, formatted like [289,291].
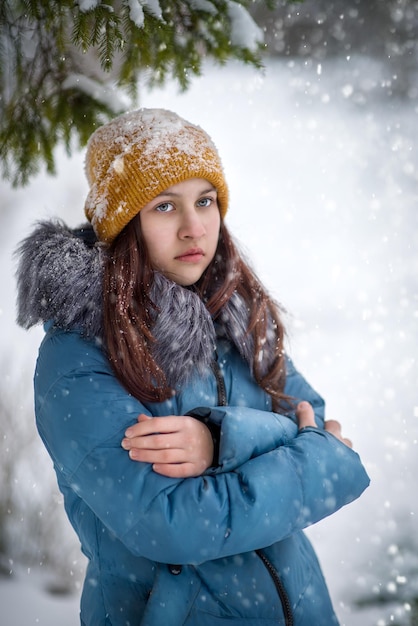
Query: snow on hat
[136,156]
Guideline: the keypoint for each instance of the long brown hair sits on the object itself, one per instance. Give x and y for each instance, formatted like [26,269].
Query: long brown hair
[128,314]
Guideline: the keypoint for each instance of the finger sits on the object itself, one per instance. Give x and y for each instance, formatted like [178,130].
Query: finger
[143,426]
[167,424]
[305,415]
[143,418]
[179,470]
[158,456]
[153,425]
[333,427]
[166,441]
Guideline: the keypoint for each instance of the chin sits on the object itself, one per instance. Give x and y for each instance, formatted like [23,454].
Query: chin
[186,282]
[183,281]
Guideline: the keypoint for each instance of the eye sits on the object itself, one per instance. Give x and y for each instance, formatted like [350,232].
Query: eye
[165,207]
[204,202]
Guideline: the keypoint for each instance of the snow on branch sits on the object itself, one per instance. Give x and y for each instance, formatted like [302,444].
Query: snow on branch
[87,5]
[153,7]
[136,10]
[203,5]
[244,31]
[105,94]
[136,13]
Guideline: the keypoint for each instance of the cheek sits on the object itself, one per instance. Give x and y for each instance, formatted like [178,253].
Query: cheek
[213,241]
[213,224]
[215,229]
[159,245]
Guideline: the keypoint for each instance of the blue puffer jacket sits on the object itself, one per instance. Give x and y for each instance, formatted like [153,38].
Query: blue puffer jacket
[225,547]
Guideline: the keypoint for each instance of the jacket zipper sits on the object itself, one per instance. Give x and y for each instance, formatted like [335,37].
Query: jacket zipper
[220,383]
[284,598]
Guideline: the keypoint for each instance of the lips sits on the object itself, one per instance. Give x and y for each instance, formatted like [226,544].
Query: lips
[192,255]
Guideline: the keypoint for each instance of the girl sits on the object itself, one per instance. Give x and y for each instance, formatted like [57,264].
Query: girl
[190,452]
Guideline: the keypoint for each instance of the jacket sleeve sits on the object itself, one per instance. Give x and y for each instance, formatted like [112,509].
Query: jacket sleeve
[298,388]
[243,432]
[82,413]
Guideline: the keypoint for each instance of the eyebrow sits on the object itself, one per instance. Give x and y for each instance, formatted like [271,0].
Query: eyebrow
[173,194]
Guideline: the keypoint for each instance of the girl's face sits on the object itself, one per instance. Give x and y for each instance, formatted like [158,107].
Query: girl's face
[180,227]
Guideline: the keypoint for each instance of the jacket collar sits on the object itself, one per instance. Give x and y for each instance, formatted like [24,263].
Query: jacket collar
[60,278]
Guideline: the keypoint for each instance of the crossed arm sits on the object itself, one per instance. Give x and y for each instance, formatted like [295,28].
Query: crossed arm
[182,446]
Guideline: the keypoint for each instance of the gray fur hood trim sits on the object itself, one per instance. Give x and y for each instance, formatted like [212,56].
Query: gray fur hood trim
[60,278]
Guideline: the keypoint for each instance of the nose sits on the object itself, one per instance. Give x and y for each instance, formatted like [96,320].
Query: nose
[191,225]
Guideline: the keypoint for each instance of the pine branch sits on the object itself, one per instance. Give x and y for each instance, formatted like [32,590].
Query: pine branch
[56,60]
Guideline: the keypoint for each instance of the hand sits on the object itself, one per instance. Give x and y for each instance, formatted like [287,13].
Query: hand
[306,417]
[177,446]
[334,427]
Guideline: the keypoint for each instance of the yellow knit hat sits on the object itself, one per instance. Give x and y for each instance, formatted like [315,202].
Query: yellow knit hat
[136,156]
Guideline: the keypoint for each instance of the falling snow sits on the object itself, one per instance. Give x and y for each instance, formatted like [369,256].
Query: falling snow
[323,174]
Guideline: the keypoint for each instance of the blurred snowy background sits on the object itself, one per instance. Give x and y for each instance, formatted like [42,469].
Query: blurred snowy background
[320,152]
